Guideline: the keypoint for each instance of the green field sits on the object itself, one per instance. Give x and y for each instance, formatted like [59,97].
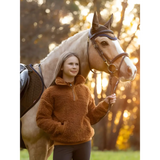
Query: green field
[99,155]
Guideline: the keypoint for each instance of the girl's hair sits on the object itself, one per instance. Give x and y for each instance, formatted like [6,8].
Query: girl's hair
[60,64]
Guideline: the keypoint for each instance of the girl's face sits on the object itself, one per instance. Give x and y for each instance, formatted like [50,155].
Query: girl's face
[70,68]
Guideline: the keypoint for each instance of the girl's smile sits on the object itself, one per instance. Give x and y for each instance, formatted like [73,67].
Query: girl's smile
[70,68]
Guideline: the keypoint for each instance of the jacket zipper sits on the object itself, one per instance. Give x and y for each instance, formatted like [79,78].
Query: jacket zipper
[72,92]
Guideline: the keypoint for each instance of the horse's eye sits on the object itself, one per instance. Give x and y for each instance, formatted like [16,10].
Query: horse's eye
[104,43]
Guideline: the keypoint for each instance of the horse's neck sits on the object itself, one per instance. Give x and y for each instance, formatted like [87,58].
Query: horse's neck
[76,44]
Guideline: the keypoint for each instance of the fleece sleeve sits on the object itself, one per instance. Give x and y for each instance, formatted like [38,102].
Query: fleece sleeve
[44,115]
[96,113]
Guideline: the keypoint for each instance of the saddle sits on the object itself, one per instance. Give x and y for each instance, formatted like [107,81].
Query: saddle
[24,78]
[30,87]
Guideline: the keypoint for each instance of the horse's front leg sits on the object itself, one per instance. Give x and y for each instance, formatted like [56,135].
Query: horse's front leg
[37,142]
[40,150]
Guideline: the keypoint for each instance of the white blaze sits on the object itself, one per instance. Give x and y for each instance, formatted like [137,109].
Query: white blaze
[126,59]
[118,47]
[120,50]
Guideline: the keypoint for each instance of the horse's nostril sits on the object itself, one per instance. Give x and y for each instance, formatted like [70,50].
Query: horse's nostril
[129,71]
[135,71]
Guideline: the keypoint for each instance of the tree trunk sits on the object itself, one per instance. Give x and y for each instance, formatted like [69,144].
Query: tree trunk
[114,135]
[124,5]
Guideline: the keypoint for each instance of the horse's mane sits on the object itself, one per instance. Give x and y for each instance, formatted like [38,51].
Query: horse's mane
[65,43]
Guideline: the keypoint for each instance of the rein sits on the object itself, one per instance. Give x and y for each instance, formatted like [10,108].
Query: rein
[112,69]
[40,70]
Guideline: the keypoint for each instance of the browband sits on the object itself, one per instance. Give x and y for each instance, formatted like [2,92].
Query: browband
[100,34]
[106,35]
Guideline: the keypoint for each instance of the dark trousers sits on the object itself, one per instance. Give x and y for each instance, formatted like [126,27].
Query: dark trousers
[75,152]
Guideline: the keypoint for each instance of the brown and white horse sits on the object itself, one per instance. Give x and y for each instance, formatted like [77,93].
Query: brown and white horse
[36,141]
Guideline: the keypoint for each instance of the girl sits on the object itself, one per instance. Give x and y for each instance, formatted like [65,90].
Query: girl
[67,111]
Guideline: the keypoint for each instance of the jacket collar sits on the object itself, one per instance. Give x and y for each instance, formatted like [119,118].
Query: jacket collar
[79,79]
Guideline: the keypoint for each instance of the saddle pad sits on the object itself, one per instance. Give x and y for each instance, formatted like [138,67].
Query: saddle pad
[34,91]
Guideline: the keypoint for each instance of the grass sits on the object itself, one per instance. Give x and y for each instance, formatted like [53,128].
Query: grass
[112,155]
[99,155]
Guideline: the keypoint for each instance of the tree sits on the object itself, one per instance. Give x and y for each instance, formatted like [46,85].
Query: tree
[41,26]
[136,139]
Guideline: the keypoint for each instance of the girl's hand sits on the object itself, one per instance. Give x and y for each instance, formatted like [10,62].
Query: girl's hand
[111,99]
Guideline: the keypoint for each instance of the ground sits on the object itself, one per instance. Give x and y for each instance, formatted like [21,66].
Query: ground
[99,155]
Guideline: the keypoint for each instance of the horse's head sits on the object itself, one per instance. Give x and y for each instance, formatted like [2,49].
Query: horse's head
[111,58]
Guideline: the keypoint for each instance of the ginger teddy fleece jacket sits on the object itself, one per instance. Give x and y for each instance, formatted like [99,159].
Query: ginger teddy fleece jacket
[67,111]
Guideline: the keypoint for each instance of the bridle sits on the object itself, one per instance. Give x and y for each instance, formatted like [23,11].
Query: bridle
[112,69]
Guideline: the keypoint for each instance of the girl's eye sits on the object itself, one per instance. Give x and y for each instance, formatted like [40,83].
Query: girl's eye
[104,43]
[74,63]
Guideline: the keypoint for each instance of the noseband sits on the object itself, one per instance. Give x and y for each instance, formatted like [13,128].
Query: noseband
[112,69]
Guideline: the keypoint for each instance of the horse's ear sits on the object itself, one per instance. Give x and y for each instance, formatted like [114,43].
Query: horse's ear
[95,23]
[109,22]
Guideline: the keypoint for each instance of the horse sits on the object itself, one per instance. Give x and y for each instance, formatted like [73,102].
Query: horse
[99,49]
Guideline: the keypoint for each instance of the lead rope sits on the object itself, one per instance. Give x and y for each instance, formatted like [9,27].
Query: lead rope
[114,91]
[110,79]
[111,73]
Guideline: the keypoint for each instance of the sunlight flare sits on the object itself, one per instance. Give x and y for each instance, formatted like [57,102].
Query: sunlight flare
[67,19]
[99,86]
